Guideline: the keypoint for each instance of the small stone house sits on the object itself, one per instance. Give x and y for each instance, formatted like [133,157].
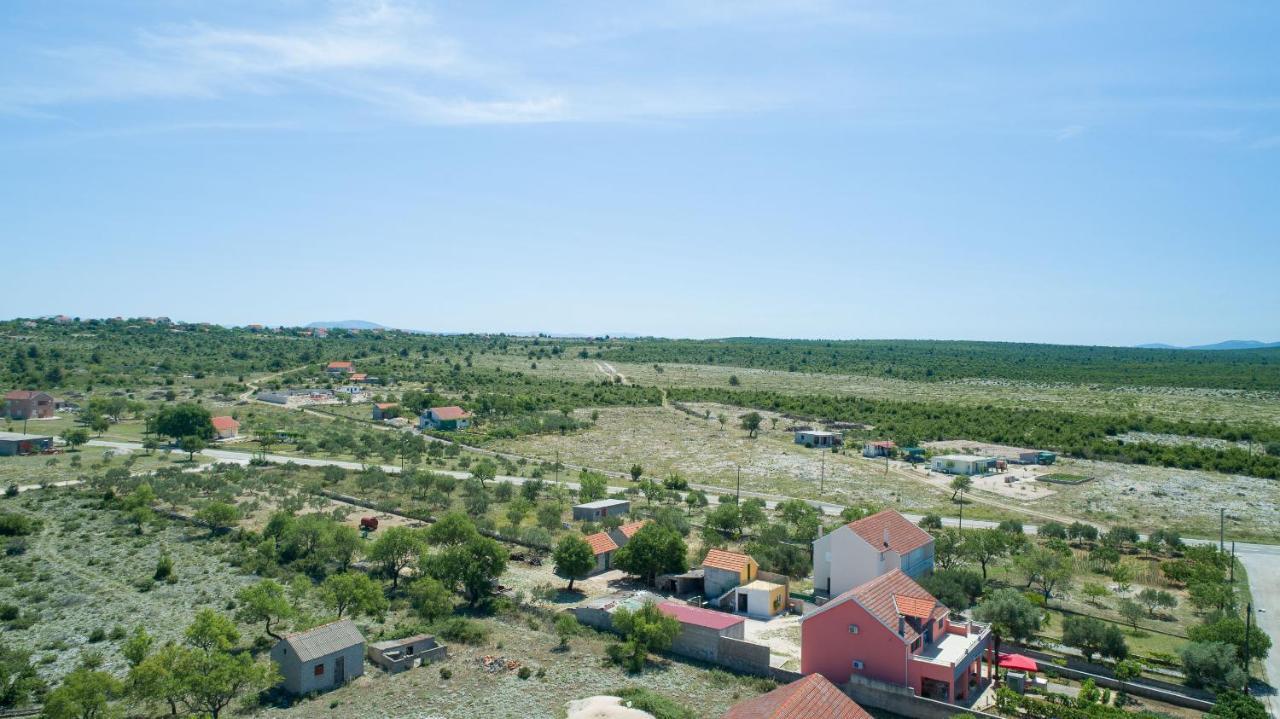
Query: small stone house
[724,571]
[398,655]
[384,410]
[603,547]
[445,418]
[623,533]
[340,368]
[320,659]
[819,438]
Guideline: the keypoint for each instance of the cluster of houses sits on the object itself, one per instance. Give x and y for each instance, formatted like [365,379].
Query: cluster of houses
[965,464]
[870,620]
[332,654]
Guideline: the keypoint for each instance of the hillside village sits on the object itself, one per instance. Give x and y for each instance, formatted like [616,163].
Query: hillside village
[338,534]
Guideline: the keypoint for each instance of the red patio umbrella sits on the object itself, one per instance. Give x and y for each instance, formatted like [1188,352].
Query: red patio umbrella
[1018,662]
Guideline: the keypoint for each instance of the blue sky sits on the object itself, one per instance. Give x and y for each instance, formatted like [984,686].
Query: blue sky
[1100,173]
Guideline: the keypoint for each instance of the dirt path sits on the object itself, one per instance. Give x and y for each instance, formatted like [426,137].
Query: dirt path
[611,372]
[253,384]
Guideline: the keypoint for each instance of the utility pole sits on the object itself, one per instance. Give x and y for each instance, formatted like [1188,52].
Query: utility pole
[962,512]
[1248,615]
[557,466]
[1222,529]
[739,485]
[822,473]
[1233,562]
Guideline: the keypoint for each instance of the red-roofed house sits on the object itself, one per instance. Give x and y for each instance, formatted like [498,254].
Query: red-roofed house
[603,546]
[225,427]
[863,550]
[891,630]
[384,410]
[28,404]
[340,368]
[812,697]
[445,418]
[722,571]
[359,377]
[623,534]
[884,448]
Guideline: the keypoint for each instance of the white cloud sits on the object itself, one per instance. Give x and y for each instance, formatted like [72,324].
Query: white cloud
[1070,132]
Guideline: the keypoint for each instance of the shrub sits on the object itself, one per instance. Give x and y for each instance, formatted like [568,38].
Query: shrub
[649,701]
[98,634]
[15,525]
[464,631]
[8,612]
[524,673]
[446,673]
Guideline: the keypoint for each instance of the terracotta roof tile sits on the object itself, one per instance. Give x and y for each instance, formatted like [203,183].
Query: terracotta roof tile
[729,561]
[224,423]
[904,536]
[698,616]
[340,365]
[447,413]
[885,597]
[630,528]
[914,606]
[812,697]
[601,542]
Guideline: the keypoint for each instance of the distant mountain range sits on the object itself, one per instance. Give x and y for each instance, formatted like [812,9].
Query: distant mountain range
[1227,345]
[347,325]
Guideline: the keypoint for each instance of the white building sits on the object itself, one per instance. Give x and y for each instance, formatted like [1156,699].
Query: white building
[819,438]
[860,551]
[963,464]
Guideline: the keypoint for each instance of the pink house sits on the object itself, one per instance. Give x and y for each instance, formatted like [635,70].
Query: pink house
[891,630]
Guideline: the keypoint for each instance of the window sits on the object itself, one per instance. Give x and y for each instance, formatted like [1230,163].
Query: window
[857,664]
[320,669]
[853,628]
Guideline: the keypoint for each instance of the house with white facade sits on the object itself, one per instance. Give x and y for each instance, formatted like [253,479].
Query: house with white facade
[860,551]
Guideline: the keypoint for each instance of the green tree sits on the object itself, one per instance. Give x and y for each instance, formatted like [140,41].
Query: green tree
[960,483]
[653,550]
[210,631]
[1154,599]
[191,444]
[75,437]
[591,487]
[636,472]
[645,630]
[726,518]
[1131,611]
[84,694]
[218,516]
[395,550]
[517,511]
[452,529]
[1094,636]
[474,565]
[548,514]
[212,680]
[184,420]
[430,599]
[751,423]
[1212,664]
[264,602]
[573,558]
[1236,705]
[18,678]
[1045,568]
[1230,629]
[1011,615]
[484,470]
[985,546]
[354,592]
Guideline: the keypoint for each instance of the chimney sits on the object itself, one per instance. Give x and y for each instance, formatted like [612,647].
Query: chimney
[902,626]
[886,536]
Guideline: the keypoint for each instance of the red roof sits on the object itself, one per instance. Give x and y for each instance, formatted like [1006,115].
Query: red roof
[601,542]
[385,405]
[813,697]
[729,561]
[888,597]
[629,529]
[887,444]
[359,376]
[903,536]
[24,394]
[698,616]
[450,413]
[224,423]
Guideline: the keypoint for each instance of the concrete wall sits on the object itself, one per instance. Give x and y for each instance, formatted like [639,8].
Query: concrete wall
[697,642]
[743,656]
[718,581]
[902,701]
[1080,670]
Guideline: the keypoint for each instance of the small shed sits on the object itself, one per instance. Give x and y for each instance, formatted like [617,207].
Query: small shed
[884,448]
[722,571]
[603,547]
[623,533]
[384,410]
[225,427]
[398,655]
[819,438]
[320,659]
[16,443]
[761,599]
[599,509]
[701,629]
[598,612]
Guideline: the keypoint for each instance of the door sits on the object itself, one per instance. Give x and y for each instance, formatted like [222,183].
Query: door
[339,670]
[742,602]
